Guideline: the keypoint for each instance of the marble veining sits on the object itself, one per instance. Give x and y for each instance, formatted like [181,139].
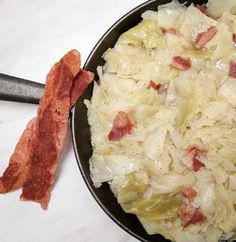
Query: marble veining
[34,35]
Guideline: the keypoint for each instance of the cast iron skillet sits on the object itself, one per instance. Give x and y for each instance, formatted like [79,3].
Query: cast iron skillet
[20,90]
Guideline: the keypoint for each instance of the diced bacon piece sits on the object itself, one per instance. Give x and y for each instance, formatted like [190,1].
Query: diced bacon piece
[172,31]
[189,193]
[154,86]
[122,125]
[234,38]
[203,10]
[197,165]
[198,217]
[192,153]
[181,63]
[204,37]
[190,215]
[232,69]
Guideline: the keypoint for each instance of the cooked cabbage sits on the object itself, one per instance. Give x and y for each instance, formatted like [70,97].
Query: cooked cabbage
[146,33]
[157,209]
[169,15]
[227,91]
[183,133]
[219,7]
[195,22]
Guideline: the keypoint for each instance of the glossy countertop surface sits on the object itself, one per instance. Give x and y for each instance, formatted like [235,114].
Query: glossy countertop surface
[34,34]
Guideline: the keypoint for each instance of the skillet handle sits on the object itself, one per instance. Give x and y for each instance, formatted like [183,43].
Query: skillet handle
[20,90]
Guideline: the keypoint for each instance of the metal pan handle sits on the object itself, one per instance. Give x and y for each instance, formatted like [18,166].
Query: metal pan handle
[20,90]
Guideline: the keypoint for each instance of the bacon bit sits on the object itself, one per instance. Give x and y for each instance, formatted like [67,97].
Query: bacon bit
[198,217]
[189,193]
[181,63]
[197,164]
[122,125]
[203,37]
[190,215]
[193,152]
[203,10]
[234,38]
[232,69]
[154,86]
[170,31]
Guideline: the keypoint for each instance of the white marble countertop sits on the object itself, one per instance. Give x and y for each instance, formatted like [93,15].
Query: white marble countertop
[34,34]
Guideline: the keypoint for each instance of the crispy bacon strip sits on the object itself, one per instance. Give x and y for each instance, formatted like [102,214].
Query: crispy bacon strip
[17,170]
[190,215]
[203,10]
[232,69]
[181,63]
[122,126]
[203,37]
[36,156]
[189,193]
[52,125]
[193,152]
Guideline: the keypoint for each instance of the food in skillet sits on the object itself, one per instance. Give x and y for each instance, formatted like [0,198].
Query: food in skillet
[33,164]
[163,122]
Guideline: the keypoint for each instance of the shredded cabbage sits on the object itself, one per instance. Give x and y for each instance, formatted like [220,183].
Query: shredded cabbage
[219,7]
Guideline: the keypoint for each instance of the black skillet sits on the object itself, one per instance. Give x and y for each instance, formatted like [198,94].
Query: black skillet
[20,90]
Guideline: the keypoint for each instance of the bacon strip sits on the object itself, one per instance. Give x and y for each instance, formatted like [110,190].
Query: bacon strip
[193,152]
[40,153]
[203,37]
[122,126]
[203,10]
[181,63]
[190,215]
[52,125]
[232,69]
[189,193]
